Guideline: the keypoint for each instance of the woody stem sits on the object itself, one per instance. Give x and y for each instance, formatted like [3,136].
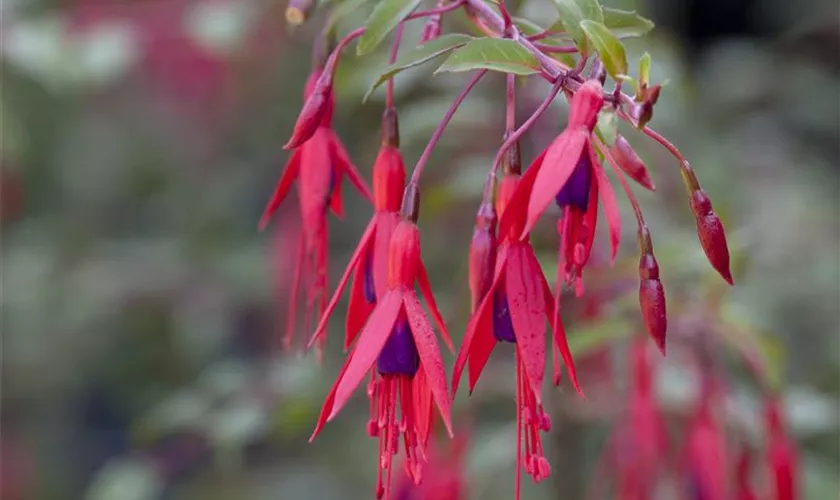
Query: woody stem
[424,158]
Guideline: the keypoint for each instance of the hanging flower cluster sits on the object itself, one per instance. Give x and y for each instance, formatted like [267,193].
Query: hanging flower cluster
[391,338]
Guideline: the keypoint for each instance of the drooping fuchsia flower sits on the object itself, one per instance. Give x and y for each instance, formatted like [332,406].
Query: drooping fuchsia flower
[743,484]
[369,262]
[705,449]
[398,345]
[318,163]
[639,446]
[781,454]
[515,309]
[569,173]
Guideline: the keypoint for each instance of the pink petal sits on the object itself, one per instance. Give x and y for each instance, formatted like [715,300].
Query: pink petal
[611,211]
[336,202]
[560,160]
[343,163]
[527,313]
[370,343]
[361,249]
[430,360]
[387,221]
[426,290]
[422,401]
[516,206]
[561,343]
[282,188]
[358,309]
[329,403]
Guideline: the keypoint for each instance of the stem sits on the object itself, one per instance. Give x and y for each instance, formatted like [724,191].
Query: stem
[510,104]
[424,158]
[437,10]
[395,49]
[512,138]
[556,49]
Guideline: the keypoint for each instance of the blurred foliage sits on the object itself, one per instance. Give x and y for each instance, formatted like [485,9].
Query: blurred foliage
[141,308]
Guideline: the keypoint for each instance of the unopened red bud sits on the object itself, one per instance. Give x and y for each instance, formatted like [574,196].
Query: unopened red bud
[652,299]
[431,29]
[586,104]
[711,234]
[630,162]
[482,254]
[652,94]
[642,113]
[298,11]
[314,110]
[390,128]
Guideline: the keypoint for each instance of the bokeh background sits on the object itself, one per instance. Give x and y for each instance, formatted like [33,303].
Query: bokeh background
[141,308]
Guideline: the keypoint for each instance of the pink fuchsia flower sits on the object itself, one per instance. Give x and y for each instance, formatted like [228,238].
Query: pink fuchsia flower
[515,309]
[705,455]
[317,165]
[743,471]
[444,477]
[781,454]
[369,262]
[398,347]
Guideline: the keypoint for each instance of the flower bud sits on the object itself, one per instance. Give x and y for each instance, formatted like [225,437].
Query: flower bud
[482,255]
[316,108]
[431,29]
[586,104]
[651,292]
[642,113]
[298,11]
[630,162]
[404,255]
[711,234]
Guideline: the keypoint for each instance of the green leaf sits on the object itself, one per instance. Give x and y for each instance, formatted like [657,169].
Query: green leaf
[625,23]
[341,10]
[570,18]
[420,55]
[644,69]
[591,10]
[609,47]
[494,54]
[385,17]
[607,126]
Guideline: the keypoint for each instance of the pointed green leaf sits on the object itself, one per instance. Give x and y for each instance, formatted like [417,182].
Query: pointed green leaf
[341,10]
[607,126]
[591,10]
[625,23]
[385,17]
[609,47]
[420,55]
[570,18]
[495,54]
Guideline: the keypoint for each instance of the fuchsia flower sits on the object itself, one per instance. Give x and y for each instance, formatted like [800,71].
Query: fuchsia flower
[705,450]
[443,477]
[743,485]
[640,443]
[409,373]
[569,173]
[515,309]
[369,262]
[318,163]
[781,454]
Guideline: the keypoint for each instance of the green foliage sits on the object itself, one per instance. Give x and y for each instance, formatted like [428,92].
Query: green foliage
[385,17]
[419,55]
[494,54]
[608,47]
[626,24]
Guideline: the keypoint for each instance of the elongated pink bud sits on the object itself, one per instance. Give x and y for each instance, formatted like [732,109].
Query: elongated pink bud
[630,163]
[431,29]
[316,109]
[711,234]
[586,104]
[482,257]
[651,292]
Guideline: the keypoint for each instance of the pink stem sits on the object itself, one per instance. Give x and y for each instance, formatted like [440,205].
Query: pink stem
[424,158]
[395,49]
[556,49]
[437,10]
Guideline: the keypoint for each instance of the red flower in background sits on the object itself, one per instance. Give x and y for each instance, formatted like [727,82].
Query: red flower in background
[781,454]
[369,263]
[705,449]
[409,373]
[317,165]
[443,477]
[743,485]
[515,309]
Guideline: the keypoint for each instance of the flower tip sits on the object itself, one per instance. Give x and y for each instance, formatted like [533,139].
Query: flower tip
[660,344]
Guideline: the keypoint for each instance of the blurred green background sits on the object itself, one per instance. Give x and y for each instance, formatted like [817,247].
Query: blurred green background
[141,308]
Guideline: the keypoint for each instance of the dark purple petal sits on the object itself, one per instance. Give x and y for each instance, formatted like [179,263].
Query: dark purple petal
[399,356]
[576,190]
[369,289]
[502,324]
